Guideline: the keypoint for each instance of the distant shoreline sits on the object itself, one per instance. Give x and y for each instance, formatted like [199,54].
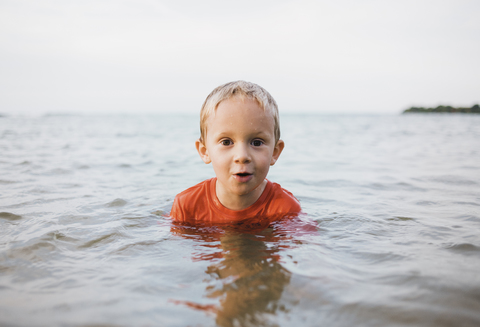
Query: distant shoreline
[475,109]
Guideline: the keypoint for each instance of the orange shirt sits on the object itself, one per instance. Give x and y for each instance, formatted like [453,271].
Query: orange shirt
[199,203]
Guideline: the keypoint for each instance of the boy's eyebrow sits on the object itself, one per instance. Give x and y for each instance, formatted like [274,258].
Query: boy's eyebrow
[260,133]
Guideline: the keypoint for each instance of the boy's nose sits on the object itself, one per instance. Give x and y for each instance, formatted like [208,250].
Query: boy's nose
[241,154]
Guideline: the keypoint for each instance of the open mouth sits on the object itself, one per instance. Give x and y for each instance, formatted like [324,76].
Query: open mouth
[243,177]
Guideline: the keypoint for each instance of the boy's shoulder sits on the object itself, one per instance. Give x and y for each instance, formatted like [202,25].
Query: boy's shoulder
[284,199]
[200,189]
[192,199]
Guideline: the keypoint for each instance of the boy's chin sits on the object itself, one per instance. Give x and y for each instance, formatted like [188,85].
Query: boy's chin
[247,188]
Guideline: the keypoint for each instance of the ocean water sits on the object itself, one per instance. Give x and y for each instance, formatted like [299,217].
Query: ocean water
[389,234]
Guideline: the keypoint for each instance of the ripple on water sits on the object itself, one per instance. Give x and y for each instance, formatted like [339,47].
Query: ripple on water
[102,240]
[465,249]
[116,203]
[373,258]
[136,222]
[453,180]
[469,218]
[3,181]
[37,251]
[59,171]
[10,216]
[463,203]
[401,219]
[25,163]
[135,248]
[426,203]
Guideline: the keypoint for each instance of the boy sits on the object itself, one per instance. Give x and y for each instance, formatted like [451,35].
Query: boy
[240,137]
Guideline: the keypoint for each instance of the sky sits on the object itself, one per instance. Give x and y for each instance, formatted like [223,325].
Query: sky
[152,56]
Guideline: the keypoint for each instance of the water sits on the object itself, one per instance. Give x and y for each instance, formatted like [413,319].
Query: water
[389,234]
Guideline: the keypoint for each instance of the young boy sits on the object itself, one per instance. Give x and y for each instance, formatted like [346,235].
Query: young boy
[240,137]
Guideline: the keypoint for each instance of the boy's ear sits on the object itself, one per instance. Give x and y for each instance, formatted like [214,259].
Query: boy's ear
[202,151]
[277,151]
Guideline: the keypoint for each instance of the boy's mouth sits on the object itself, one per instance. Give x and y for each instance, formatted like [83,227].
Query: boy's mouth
[243,177]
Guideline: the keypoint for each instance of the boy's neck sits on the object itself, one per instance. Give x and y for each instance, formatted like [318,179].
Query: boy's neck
[238,202]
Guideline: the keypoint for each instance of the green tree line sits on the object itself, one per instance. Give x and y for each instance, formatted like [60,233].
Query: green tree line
[475,109]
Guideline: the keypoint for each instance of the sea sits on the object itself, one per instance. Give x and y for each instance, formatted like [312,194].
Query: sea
[389,233]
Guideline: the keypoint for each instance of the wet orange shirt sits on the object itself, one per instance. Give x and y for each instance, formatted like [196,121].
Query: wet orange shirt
[199,203]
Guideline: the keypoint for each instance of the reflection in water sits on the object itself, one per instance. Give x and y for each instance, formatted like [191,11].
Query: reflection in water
[246,276]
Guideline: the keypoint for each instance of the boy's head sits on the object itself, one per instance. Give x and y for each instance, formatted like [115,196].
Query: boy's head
[240,138]
[243,90]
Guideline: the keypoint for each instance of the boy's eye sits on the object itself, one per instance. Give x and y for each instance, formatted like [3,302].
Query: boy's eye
[226,142]
[257,142]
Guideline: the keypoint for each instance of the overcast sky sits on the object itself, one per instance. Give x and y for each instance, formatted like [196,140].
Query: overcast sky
[338,56]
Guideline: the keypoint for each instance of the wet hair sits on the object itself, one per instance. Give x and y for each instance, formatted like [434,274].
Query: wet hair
[242,90]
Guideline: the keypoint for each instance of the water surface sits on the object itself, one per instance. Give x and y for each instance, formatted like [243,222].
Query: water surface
[389,235]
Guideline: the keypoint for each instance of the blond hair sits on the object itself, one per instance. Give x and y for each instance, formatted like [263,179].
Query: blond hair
[243,90]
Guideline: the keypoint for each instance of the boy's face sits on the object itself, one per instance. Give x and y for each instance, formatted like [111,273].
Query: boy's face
[240,144]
